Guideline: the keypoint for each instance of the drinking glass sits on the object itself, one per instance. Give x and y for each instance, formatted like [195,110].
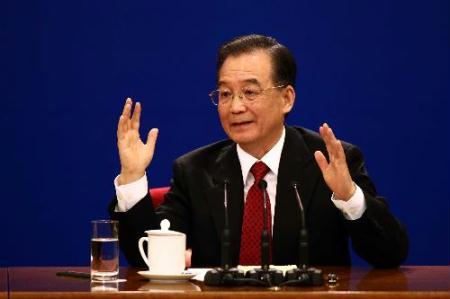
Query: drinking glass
[105,250]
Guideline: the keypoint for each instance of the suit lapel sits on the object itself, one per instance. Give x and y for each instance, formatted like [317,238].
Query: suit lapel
[297,164]
[227,166]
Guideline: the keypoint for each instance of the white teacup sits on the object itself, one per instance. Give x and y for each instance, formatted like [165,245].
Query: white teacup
[165,250]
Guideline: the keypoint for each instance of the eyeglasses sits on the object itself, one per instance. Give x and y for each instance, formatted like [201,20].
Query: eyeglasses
[247,95]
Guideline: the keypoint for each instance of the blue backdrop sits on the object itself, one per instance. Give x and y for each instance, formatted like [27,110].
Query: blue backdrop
[377,71]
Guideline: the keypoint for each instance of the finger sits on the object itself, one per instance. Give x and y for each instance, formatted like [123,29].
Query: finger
[328,133]
[321,161]
[331,133]
[121,128]
[151,140]
[325,133]
[135,119]
[333,145]
[340,150]
[337,151]
[126,114]
[127,108]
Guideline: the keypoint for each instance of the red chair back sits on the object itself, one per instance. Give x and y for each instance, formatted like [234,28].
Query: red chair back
[158,195]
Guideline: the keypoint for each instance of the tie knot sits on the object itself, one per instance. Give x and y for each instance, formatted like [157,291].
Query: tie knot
[259,170]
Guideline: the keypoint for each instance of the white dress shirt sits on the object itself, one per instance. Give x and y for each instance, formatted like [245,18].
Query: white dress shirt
[129,194]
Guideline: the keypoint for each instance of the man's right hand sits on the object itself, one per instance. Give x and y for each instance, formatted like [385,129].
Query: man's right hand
[135,156]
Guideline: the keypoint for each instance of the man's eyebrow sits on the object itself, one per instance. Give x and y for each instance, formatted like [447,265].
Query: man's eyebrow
[250,80]
[221,83]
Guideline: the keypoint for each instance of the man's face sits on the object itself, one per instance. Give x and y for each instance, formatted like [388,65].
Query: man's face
[256,126]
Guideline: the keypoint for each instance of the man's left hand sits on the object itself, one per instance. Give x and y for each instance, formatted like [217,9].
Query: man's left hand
[335,172]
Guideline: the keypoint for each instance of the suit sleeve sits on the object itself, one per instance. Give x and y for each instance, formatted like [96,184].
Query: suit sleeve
[378,237]
[143,216]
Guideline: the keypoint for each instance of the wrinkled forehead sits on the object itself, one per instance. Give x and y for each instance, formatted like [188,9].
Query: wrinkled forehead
[247,68]
[244,82]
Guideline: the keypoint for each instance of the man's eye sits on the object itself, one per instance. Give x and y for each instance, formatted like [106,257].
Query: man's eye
[225,94]
[250,92]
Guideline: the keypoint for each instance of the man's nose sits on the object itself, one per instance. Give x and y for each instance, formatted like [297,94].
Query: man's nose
[237,104]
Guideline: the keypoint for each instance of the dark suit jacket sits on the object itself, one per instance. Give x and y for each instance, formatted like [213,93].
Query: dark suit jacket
[194,205]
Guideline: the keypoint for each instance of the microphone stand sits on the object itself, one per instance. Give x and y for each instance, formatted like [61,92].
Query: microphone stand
[268,276]
[225,275]
[303,275]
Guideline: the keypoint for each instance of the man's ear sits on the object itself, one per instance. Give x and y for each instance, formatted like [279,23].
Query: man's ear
[288,98]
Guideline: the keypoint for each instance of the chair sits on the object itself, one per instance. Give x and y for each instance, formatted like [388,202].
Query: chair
[157,195]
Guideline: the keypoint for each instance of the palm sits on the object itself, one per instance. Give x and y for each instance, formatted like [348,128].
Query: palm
[335,167]
[135,156]
[335,172]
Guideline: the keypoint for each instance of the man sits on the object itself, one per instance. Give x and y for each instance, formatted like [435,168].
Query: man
[256,80]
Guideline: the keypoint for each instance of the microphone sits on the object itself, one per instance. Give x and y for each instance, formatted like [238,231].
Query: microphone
[265,236]
[264,274]
[303,255]
[225,275]
[225,239]
[303,275]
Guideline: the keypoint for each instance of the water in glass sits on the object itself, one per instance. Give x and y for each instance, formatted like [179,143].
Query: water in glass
[104,258]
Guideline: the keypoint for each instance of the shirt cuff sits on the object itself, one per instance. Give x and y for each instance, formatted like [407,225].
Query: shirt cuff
[354,208]
[129,194]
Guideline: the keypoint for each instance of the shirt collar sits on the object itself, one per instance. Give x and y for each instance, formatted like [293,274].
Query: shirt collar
[271,158]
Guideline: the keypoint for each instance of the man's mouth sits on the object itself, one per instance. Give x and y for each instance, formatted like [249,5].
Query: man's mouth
[240,124]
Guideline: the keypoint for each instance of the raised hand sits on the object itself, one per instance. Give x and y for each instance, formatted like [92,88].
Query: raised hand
[135,156]
[335,172]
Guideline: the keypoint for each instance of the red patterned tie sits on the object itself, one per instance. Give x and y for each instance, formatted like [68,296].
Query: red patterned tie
[250,253]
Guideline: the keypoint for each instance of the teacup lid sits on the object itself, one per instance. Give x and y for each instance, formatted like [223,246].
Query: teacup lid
[164,231]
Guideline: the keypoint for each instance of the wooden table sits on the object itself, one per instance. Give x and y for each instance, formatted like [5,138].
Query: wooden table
[405,282]
[3,283]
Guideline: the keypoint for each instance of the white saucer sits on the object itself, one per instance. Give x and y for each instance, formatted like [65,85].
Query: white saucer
[168,277]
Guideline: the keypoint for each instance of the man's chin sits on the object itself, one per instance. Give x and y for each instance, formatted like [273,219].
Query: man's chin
[242,139]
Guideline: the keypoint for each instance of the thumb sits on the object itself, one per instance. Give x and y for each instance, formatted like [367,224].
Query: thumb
[321,160]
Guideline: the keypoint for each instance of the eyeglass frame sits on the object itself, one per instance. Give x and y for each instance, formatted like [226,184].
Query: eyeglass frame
[241,96]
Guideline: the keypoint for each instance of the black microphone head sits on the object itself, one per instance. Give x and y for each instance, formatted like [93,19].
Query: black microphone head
[262,184]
